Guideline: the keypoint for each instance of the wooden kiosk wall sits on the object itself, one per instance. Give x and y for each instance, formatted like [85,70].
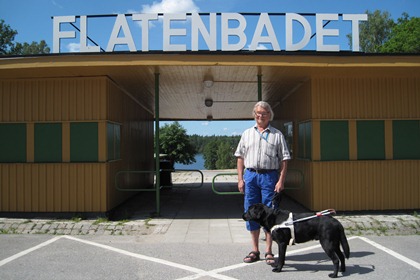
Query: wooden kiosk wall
[357,141]
[63,140]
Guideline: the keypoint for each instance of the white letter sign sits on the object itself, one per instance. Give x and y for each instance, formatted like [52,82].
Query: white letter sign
[237,32]
[168,32]
[271,38]
[57,34]
[212,31]
[321,32]
[145,18]
[290,17]
[355,28]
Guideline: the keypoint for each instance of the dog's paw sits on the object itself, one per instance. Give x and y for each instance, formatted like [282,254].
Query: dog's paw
[333,275]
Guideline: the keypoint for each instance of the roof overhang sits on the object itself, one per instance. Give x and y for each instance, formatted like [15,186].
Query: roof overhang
[235,87]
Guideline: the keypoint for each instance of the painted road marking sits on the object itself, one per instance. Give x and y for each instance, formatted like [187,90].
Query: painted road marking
[215,273]
[391,252]
[23,253]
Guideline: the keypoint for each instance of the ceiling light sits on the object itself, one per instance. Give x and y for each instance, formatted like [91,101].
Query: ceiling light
[208,102]
[208,83]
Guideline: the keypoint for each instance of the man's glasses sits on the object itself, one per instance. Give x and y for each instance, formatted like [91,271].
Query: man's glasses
[259,114]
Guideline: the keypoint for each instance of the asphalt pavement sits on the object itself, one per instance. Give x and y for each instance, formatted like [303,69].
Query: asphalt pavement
[198,235]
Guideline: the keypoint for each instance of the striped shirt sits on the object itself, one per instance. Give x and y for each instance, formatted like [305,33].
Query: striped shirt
[264,150]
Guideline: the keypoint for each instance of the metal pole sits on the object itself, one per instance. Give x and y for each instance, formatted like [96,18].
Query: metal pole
[259,87]
[157,150]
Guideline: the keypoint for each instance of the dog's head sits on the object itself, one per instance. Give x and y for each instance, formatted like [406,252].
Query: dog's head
[256,212]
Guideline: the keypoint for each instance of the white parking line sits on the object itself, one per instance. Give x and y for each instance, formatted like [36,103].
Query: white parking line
[198,272]
[391,252]
[138,256]
[23,253]
[236,266]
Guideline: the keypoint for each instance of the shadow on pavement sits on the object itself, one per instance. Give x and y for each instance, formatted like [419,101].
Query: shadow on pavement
[189,203]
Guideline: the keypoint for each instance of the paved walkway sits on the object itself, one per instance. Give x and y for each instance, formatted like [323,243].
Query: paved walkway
[191,214]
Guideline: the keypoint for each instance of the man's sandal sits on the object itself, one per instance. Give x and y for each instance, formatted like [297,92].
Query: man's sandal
[269,259]
[252,257]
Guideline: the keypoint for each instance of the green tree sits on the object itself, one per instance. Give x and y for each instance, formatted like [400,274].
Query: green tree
[33,48]
[218,152]
[7,36]
[375,31]
[210,154]
[9,47]
[404,37]
[175,143]
[225,157]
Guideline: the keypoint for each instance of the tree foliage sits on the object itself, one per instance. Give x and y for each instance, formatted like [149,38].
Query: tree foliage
[375,31]
[175,143]
[9,47]
[405,36]
[218,152]
[380,34]
[7,36]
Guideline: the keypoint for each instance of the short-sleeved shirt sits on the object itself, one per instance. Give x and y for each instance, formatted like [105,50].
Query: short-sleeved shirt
[262,150]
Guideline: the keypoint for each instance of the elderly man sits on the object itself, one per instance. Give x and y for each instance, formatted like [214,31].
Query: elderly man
[262,156]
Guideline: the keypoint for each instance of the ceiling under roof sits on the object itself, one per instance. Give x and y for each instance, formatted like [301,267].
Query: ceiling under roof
[182,91]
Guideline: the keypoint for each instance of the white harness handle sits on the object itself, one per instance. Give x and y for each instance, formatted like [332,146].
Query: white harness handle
[289,222]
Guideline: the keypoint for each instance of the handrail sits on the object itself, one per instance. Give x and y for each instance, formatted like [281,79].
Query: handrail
[152,171]
[301,185]
[219,192]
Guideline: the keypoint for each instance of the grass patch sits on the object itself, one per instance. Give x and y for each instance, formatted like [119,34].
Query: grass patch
[100,221]
[122,222]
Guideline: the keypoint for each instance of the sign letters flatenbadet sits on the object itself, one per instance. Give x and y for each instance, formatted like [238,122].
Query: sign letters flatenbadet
[264,32]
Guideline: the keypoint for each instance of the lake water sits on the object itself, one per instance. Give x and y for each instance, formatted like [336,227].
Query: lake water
[198,164]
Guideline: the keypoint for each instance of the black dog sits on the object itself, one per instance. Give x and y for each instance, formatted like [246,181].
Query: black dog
[326,229]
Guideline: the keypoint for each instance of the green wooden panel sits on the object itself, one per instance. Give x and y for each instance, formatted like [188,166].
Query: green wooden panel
[406,139]
[301,141]
[308,140]
[334,140]
[13,142]
[84,142]
[370,140]
[305,140]
[117,141]
[110,140]
[113,141]
[48,142]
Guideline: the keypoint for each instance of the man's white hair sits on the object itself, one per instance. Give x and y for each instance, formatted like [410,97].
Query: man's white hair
[266,107]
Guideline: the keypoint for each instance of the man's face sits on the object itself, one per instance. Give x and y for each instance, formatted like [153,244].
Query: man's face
[262,117]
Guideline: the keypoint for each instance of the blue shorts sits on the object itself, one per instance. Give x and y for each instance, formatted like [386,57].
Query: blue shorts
[259,188]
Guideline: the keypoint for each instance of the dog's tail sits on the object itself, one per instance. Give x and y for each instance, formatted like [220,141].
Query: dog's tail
[344,243]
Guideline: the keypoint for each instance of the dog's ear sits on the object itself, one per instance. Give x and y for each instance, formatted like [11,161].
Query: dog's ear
[257,210]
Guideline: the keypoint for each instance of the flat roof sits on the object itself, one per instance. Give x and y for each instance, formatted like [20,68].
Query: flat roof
[234,91]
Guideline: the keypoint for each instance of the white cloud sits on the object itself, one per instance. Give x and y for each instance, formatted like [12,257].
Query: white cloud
[73,47]
[205,123]
[261,47]
[171,6]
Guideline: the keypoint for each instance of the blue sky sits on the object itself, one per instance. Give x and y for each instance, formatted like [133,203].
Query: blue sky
[32,20]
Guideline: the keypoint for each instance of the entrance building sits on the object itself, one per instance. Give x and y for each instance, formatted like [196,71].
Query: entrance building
[70,122]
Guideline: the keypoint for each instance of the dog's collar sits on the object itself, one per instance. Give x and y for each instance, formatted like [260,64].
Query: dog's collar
[287,224]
